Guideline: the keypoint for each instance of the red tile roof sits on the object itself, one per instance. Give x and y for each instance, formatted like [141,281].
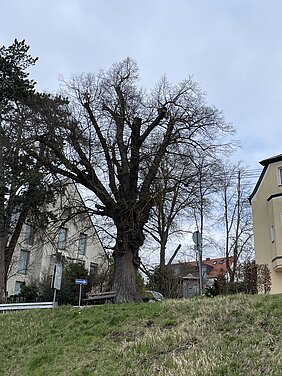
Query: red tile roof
[218,265]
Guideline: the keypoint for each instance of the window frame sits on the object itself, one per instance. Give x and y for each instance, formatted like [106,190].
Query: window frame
[272,233]
[17,291]
[279,175]
[23,262]
[28,234]
[93,268]
[82,243]
[62,241]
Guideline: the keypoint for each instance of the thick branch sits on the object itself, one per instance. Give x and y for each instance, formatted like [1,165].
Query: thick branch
[157,160]
[154,124]
[104,146]
[135,155]
[72,172]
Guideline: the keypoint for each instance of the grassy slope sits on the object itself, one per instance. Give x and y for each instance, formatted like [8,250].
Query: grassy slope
[237,335]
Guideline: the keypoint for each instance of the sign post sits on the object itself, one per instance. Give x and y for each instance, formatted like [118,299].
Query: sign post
[80,282]
[57,280]
[197,239]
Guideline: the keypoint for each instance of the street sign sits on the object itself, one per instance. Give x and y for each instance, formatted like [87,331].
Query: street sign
[57,280]
[197,238]
[57,276]
[80,282]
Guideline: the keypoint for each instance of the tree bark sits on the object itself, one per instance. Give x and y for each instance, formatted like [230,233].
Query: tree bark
[127,261]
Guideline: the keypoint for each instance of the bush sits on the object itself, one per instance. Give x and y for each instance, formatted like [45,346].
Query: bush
[263,279]
[255,278]
[164,281]
[69,292]
[29,293]
[46,291]
[234,288]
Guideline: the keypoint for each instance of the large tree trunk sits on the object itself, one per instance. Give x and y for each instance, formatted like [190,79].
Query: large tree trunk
[126,264]
[2,221]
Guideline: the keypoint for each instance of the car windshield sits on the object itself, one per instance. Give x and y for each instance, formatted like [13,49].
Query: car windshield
[157,295]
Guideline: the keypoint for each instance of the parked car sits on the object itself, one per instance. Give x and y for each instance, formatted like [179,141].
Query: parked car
[153,296]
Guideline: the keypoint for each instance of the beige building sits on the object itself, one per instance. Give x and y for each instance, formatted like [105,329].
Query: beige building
[266,201]
[72,236]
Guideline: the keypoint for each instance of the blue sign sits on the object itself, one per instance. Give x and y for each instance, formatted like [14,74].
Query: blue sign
[81,281]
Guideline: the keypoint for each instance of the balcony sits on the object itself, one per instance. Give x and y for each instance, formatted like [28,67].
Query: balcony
[277,264]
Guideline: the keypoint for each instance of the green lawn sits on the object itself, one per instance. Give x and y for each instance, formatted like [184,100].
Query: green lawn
[235,335]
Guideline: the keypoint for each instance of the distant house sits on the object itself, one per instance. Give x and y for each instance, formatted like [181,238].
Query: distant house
[266,201]
[71,238]
[188,272]
[214,267]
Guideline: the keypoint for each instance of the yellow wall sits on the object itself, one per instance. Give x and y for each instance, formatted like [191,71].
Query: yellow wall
[267,214]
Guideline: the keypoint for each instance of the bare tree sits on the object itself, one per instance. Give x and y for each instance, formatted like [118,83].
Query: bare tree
[235,216]
[112,138]
[176,196]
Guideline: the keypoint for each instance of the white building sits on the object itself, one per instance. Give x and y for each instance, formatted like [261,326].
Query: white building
[73,238]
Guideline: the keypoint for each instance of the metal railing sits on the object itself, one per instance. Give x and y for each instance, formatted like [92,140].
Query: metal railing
[24,306]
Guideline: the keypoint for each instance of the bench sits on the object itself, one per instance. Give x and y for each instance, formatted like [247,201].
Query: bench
[100,298]
[24,306]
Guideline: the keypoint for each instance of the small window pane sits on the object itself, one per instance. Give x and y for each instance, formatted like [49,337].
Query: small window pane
[272,233]
[82,244]
[23,262]
[280,175]
[62,238]
[18,286]
[93,268]
[28,235]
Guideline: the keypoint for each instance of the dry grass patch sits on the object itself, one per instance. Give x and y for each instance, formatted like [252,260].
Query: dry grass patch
[237,335]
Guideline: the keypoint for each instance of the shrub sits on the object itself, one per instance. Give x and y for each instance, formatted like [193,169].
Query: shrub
[263,278]
[29,293]
[69,290]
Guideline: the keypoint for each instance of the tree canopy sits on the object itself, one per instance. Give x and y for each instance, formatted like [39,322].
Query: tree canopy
[111,136]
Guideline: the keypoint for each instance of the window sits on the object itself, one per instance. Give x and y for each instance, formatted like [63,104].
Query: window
[62,238]
[23,261]
[279,175]
[82,244]
[18,286]
[272,234]
[93,268]
[28,234]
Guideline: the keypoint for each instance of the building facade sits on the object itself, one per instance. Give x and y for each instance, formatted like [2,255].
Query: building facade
[188,273]
[70,237]
[266,202]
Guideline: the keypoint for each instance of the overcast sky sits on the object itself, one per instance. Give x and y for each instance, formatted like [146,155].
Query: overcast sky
[232,47]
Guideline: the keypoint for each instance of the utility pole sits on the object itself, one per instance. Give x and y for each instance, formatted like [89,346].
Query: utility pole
[197,239]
